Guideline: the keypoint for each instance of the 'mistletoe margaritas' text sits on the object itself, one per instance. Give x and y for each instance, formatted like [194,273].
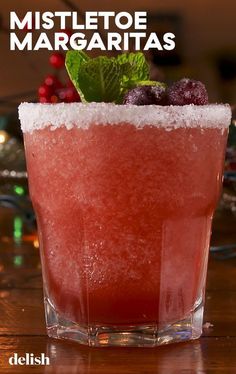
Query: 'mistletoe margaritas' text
[138,38]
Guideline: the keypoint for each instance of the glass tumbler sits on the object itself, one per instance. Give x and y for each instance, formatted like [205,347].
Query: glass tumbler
[124,197]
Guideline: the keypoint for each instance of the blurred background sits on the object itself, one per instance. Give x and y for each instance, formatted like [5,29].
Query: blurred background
[205,42]
[205,50]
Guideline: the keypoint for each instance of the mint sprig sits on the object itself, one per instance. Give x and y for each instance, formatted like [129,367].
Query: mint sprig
[104,79]
[98,79]
[134,67]
[73,63]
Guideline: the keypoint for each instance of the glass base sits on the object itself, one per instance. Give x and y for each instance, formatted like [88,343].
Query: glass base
[129,336]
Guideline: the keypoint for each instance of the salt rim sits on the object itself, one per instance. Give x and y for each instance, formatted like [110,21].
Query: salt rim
[38,116]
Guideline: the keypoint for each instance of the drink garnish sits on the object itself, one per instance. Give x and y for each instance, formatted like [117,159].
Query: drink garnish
[104,79]
[187,91]
[126,79]
[147,94]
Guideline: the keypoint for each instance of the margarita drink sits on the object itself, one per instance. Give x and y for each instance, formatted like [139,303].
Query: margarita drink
[124,198]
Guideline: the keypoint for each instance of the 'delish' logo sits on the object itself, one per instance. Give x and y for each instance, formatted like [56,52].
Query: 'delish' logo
[29,359]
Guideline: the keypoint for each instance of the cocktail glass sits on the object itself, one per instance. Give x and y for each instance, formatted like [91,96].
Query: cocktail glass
[124,197]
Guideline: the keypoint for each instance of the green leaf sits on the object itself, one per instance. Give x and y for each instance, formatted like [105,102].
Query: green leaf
[152,83]
[99,79]
[73,62]
[106,79]
[134,66]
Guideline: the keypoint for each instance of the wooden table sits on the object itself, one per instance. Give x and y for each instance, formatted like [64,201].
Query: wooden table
[22,326]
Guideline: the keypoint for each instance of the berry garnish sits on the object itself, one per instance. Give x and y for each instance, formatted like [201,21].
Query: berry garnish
[126,79]
[187,91]
[146,95]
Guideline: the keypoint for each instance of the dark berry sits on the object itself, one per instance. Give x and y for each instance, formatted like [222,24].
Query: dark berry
[146,95]
[187,91]
[160,94]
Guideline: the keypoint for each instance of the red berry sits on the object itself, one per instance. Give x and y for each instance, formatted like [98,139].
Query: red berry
[53,81]
[68,95]
[44,100]
[187,91]
[54,99]
[45,91]
[62,94]
[53,91]
[50,80]
[72,95]
[57,60]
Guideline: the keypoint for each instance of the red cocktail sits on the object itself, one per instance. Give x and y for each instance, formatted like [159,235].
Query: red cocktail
[124,198]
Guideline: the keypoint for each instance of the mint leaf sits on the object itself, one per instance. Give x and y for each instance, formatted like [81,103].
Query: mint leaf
[73,62]
[135,67]
[99,79]
[151,83]
[106,79]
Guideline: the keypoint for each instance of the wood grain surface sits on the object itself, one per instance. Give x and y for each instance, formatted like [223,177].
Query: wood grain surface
[22,325]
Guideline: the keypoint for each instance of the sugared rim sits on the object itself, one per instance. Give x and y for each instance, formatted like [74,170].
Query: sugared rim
[38,116]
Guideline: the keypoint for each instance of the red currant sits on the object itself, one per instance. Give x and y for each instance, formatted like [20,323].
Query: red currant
[45,91]
[54,99]
[53,91]
[69,95]
[53,81]
[57,60]
[44,100]
[62,94]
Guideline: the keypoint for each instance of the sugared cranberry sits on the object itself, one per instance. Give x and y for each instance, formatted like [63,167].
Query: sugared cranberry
[187,91]
[146,95]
